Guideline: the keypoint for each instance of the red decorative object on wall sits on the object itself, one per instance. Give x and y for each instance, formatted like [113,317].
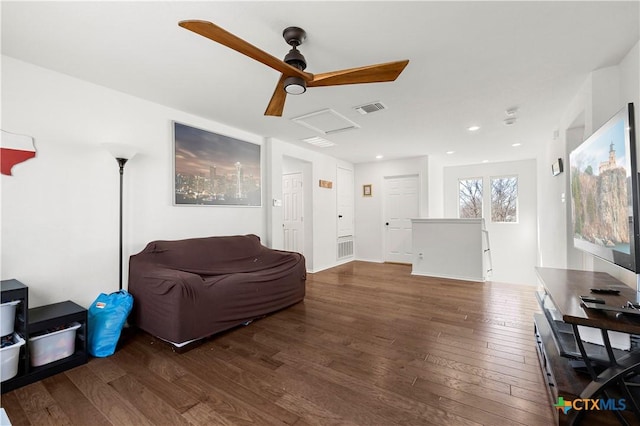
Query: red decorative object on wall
[14,149]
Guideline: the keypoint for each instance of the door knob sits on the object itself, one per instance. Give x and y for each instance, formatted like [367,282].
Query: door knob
[387,223]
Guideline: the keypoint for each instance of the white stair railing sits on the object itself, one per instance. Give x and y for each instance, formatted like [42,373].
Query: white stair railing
[487,252]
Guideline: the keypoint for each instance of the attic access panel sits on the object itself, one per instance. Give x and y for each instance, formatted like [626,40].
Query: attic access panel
[326,122]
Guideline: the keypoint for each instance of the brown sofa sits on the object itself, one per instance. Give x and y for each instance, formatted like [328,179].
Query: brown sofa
[189,289]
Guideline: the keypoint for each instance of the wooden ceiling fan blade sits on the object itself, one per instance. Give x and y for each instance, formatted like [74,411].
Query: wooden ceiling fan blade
[222,36]
[378,73]
[276,104]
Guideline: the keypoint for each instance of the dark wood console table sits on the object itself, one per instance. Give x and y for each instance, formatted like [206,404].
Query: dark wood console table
[607,373]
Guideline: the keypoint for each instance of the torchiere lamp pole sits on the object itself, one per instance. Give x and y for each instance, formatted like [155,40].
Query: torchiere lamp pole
[121,163]
[122,154]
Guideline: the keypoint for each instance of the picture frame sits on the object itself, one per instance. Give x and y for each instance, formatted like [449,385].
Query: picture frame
[211,169]
[557,167]
[325,184]
[367,190]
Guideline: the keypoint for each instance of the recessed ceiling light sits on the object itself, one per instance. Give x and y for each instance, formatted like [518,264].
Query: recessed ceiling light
[473,128]
[450,152]
[485,161]
[516,144]
[379,156]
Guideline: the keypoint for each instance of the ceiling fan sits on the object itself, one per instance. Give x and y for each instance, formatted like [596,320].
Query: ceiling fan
[294,79]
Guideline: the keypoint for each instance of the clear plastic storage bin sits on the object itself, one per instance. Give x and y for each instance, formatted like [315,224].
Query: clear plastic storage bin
[53,346]
[7,317]
[9,357]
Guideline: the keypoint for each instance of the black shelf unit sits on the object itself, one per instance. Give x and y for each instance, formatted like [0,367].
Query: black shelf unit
[36,322]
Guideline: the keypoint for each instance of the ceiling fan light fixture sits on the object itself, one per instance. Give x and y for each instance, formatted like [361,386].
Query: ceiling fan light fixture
[295,85]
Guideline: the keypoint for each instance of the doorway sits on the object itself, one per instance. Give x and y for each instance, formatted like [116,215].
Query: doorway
[297,208]
[401,204]
[293,211]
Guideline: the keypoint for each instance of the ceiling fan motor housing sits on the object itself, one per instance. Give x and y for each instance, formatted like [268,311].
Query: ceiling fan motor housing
[294,36]
[295,59]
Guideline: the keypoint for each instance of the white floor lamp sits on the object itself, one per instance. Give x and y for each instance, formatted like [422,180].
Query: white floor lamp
[122,153]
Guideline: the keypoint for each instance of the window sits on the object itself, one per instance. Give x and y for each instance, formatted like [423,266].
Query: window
[504,197]
[470,195]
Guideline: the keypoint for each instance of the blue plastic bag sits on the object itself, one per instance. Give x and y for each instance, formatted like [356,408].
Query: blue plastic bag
[106,317]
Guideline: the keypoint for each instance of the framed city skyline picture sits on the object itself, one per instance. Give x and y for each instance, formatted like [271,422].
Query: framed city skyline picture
[215,170]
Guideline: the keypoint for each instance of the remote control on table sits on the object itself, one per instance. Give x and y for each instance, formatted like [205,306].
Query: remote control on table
[590,299]
[605,291]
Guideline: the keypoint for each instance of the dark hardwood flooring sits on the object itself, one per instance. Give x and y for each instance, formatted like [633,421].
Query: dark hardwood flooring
[370,345]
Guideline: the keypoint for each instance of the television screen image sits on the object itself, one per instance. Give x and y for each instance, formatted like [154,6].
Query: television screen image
[604,201]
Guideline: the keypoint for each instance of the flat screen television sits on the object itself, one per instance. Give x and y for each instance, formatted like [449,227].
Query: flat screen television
[604,192]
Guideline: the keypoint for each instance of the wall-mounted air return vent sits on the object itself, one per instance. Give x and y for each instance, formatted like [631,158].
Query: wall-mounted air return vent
[369,108]
[345,247]
[325,122]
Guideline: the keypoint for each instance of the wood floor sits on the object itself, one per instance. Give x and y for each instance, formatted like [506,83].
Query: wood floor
[370,345]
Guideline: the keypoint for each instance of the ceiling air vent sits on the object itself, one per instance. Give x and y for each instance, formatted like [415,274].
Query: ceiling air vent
[318,141]
[369,108]
[325,122]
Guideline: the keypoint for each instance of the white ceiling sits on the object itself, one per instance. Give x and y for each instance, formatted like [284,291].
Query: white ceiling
[470,61]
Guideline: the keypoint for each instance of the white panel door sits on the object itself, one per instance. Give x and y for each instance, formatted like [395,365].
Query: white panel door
[401,204]
[292,212]
[345,202]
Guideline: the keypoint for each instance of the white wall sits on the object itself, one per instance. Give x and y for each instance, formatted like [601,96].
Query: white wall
[60,210]
[513,245]
[435,182]
[604,92]
[369,224]
[629,80]
[552,196]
